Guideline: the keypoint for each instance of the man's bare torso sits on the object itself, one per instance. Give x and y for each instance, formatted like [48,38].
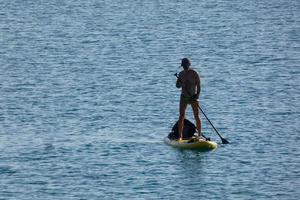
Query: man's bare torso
[190,79]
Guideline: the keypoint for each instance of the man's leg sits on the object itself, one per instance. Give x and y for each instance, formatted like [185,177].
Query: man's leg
[195,108]
[182,108]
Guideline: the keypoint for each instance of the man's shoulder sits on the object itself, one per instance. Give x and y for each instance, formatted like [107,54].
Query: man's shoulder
[181,73]
[194,71]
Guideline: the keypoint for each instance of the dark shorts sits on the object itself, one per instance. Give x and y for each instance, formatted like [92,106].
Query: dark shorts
[186,100]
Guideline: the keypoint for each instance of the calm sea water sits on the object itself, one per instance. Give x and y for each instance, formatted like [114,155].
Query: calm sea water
[87,94]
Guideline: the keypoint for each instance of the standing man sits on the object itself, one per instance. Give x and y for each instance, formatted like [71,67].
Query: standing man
[189,82]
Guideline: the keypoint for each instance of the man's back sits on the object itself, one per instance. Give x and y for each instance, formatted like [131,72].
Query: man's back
[191,80]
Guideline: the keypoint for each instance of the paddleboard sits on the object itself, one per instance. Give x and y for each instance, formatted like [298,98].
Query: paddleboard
[203,145]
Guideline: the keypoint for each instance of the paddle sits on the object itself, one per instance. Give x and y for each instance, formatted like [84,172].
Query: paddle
[224,141]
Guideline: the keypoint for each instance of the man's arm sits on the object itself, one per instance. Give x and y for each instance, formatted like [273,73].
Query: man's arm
[178,83]
[198,84]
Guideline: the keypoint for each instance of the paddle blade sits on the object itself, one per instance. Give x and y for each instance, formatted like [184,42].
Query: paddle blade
[224,141]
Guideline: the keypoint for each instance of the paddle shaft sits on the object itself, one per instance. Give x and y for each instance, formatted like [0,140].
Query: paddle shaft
[209,121]
[224,141]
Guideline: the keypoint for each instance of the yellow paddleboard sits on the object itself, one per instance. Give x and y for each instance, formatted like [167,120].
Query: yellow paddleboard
[188,144]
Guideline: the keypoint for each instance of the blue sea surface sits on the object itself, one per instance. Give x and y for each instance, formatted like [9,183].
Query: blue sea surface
[87,94]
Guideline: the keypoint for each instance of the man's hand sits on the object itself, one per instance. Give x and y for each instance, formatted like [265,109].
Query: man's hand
[195,96]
